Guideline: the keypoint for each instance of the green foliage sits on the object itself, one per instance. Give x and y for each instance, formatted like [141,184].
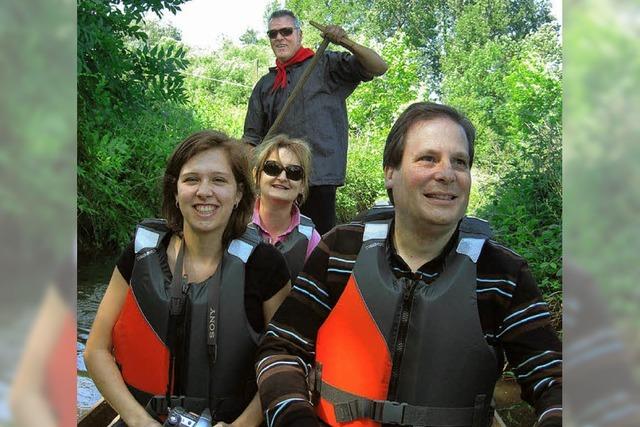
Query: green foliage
[427,24]
[219,85]
[370,114]
[158,33]
[511,90]
[364,183]
[130,86]
[249,37]
[524,205]
[119,180]
[111,68]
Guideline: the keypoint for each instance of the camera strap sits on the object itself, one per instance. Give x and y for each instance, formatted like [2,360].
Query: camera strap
[175,330]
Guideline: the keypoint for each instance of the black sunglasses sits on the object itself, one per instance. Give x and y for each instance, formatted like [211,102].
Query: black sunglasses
[293,172]
[284,32]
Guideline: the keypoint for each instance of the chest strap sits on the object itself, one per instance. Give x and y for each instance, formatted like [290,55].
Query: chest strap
[176,327]
[212,316]
[349,407]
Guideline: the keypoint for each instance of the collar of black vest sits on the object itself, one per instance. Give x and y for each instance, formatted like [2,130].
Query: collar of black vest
[436,265]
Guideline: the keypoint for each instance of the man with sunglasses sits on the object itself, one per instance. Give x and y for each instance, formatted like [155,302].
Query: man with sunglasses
[319,113]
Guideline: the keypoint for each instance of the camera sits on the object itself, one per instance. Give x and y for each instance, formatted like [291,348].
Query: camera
[179,417]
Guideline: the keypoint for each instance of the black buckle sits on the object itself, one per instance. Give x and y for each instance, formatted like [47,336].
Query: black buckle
[161,406]
[393,412]
[176,401]
[176,306]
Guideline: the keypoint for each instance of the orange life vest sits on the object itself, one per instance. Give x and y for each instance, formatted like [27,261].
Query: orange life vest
[399,351]
[214,367]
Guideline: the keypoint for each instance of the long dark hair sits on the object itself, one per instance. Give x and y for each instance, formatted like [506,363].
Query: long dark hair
[238,158]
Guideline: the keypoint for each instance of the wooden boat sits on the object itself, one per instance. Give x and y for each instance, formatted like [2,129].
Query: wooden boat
[100,415]
[103,415]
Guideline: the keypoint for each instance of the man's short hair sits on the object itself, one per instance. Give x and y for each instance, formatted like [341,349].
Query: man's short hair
[282,13]
[421,111]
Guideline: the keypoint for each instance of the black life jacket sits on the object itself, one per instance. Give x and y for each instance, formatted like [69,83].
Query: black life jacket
[213,342]
[399,351]
[294,245]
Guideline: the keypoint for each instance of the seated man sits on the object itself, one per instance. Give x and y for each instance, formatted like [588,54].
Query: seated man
[407,320]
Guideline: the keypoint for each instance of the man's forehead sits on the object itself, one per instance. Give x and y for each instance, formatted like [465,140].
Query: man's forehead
[281,22]
[430,133]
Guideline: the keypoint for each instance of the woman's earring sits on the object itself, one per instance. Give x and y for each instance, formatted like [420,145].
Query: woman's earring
[177,205]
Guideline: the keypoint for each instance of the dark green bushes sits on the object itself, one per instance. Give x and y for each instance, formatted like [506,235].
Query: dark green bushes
[511,90]
[121,169]
[130,115]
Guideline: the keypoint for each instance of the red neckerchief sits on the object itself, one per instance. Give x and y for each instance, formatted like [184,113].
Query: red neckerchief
[281,76]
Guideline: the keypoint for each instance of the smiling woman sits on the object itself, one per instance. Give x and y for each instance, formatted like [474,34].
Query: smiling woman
[159,330]
[282,168]
[207,173]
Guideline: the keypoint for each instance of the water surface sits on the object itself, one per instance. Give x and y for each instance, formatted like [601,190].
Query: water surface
[93,277]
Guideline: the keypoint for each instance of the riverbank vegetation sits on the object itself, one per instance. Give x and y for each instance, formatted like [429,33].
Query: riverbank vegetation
[140,91]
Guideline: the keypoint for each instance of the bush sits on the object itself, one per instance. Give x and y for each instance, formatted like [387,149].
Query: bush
[364,181]
[524,205]
[120,169]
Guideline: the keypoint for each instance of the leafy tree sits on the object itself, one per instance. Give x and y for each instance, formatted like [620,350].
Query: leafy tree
[511,90]
[130,85]
[112,74]
[427,24]
[219,85]
[250,37]
[157,32]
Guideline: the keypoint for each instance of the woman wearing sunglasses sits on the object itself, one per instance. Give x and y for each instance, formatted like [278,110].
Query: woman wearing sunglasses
[190,296]
[282,181]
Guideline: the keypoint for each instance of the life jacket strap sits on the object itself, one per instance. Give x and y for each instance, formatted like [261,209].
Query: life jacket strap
[213,315]
[349,407]
[175,327]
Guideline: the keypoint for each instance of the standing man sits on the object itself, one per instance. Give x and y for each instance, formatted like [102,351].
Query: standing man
[319,113]
[407,320]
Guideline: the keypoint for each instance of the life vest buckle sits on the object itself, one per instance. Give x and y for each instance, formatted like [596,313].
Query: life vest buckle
[348,411]
[389,412]
[159,405]
[176,306]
